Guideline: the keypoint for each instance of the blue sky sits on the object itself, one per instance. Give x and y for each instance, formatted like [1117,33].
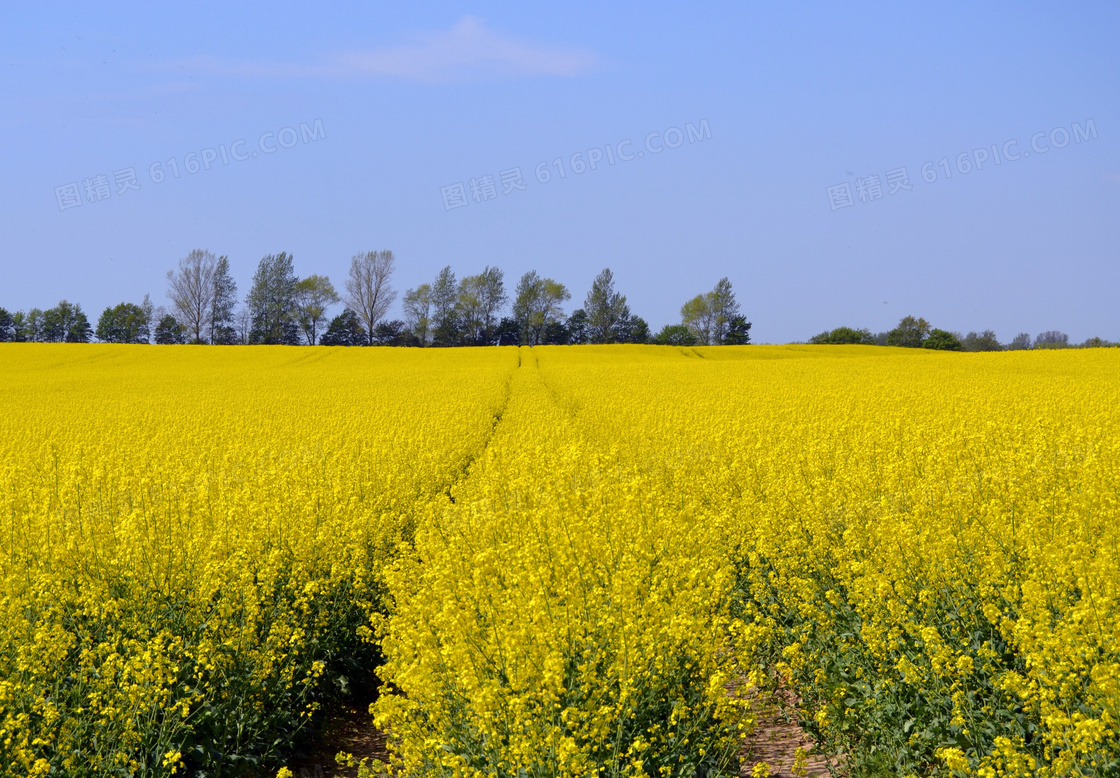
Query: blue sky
[786,102]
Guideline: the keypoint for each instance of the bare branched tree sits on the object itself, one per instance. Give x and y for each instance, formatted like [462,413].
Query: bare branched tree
[191,291]
[368,291]
[243,324]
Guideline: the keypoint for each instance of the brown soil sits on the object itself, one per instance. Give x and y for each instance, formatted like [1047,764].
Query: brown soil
[775,741]
[347,728]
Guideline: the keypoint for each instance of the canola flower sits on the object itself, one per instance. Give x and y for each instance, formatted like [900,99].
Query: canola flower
[568,560]
[559,618]
[928,542]
[193,540]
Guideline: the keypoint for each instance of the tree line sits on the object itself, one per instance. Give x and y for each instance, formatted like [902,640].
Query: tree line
[916,332]
[281,308]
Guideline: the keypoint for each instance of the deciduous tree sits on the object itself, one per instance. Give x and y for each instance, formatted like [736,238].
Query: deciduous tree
[417,305]
[577,327]
[392,333]
[1051,339]
[675,335]
[369,291]
[607,311]
[509,332]
[223,327]
[697,315]
[190,289]
[724,308]
[844,335]
[28,326]
[738,332]
[983,341]
[909,333]
[942,340]
[445,309]
[272,300]
[345,330]
[124,323]
[7,327]
[314,295]
[169,331]
[634,329]
[482,298]
[66,322]
[537,304]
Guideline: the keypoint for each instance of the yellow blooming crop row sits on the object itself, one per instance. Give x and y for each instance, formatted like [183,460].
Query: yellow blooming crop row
[559,617]
[569,560]
[924,546]
[929,543]
[190,537]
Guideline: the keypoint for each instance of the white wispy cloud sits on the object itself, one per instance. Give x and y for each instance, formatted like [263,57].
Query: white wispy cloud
[469,50]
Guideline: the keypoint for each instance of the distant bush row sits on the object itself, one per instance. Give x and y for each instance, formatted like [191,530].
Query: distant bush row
[917,333]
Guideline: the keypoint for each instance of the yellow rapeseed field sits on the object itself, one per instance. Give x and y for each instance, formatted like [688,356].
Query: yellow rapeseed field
[562,561]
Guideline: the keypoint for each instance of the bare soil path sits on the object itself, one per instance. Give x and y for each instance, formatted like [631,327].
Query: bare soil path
[348,728]
[775,741]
